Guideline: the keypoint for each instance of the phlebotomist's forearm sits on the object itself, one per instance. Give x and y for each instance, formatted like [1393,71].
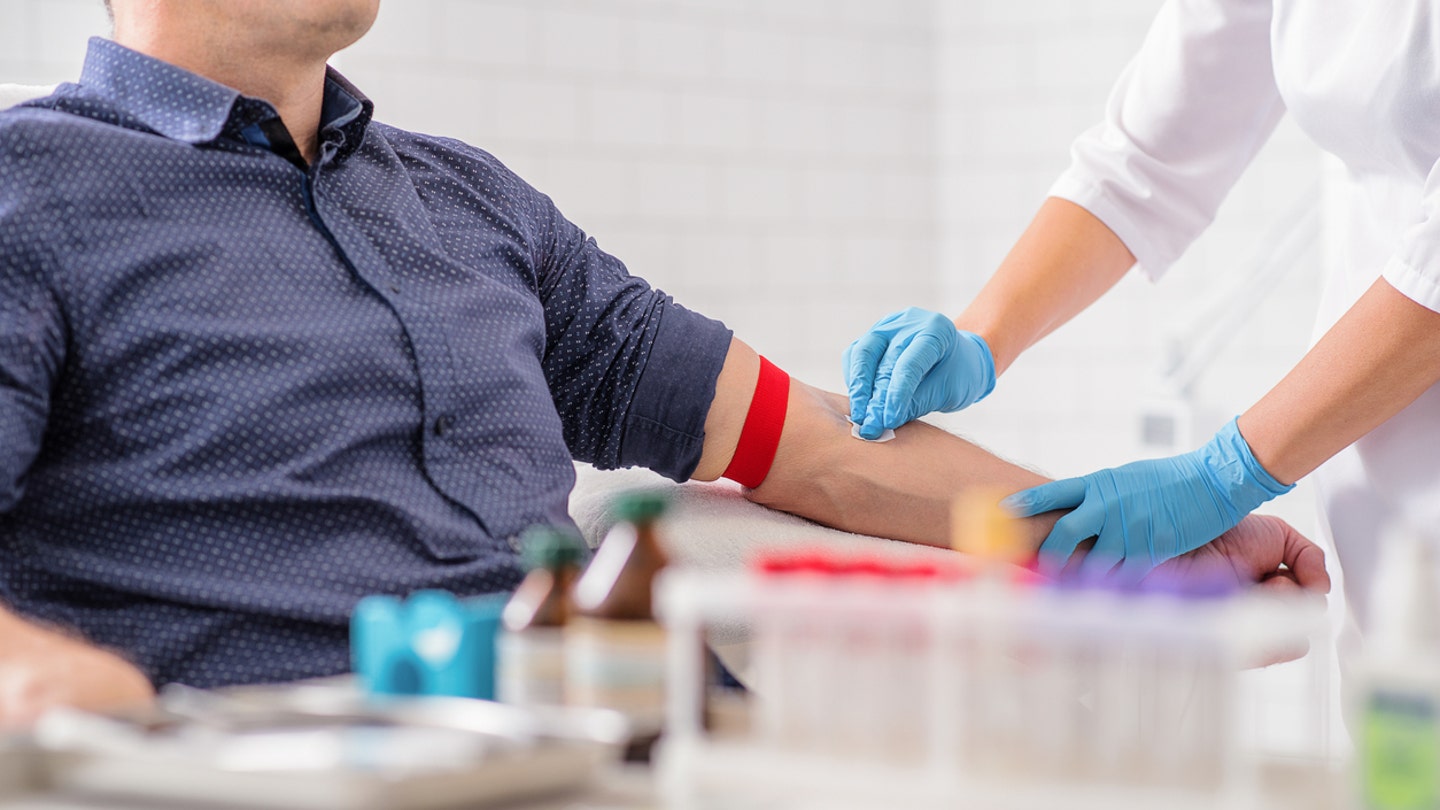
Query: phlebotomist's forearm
[1065,260]
[1382,354]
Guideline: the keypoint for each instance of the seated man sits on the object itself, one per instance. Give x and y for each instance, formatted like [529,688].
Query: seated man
[261,356]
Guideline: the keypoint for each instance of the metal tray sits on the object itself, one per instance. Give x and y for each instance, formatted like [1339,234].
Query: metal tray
[325,746]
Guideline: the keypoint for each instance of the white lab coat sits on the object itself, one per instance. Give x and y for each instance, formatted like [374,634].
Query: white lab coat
[1362,79]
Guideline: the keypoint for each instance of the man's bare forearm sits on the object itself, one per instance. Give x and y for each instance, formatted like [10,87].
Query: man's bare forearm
[901,489]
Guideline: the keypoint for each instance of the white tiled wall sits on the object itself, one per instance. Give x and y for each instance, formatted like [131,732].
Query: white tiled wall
[43,41]
[800,167]
[769,162]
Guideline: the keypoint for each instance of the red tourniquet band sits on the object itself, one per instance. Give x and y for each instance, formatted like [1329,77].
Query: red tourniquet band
[763,424]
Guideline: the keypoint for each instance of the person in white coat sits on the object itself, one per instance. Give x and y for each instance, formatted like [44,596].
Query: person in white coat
[1208,86]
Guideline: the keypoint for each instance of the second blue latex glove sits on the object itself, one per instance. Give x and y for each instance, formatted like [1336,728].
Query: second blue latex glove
[913,362]
[1147,512]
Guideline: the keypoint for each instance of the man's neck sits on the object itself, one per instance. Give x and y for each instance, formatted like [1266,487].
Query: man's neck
[294,86]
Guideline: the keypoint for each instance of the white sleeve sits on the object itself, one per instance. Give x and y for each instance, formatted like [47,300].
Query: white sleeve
[1184,120]
[1414,268]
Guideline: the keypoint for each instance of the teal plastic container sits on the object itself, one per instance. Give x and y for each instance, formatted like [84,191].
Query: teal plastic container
[431,644]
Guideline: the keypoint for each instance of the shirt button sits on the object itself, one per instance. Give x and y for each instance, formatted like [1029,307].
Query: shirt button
[442,425]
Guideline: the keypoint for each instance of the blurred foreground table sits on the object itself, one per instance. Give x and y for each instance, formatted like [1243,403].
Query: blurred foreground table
[625,788]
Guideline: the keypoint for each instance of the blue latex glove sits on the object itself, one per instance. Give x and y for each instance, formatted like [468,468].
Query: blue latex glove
[910,363]
[1147,512]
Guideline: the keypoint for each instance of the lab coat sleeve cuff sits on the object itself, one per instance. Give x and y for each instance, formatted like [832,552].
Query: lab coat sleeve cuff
[1088,193]
[1420,287]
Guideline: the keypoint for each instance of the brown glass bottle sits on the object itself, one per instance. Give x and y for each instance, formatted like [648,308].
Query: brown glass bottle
[531,650]
[614,649]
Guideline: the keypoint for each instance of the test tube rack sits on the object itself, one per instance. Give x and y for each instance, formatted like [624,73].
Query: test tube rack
[878,690]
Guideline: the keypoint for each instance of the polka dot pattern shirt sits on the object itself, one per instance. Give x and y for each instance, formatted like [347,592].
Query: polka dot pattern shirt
[238,393]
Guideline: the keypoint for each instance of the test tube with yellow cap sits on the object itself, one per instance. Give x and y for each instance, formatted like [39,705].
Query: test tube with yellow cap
[981,528]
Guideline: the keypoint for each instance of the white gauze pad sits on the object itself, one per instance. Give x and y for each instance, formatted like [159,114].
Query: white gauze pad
[884,437]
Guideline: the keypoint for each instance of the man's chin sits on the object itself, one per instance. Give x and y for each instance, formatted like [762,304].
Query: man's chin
[317,27]
[350,23]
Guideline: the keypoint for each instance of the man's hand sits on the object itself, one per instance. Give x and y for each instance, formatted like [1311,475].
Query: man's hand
[41,669]
[1254,552]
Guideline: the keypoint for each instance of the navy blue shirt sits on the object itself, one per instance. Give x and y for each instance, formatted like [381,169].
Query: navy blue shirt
[237,393]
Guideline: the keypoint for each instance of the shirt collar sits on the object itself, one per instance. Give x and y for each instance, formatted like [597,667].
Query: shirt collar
[345,115]
[184,106]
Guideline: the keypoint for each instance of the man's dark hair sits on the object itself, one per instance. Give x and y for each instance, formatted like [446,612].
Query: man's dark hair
[109,10]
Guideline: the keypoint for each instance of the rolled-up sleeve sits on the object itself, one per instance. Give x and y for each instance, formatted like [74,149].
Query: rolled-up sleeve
[1186,117]
[632,372]
[1414,269]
